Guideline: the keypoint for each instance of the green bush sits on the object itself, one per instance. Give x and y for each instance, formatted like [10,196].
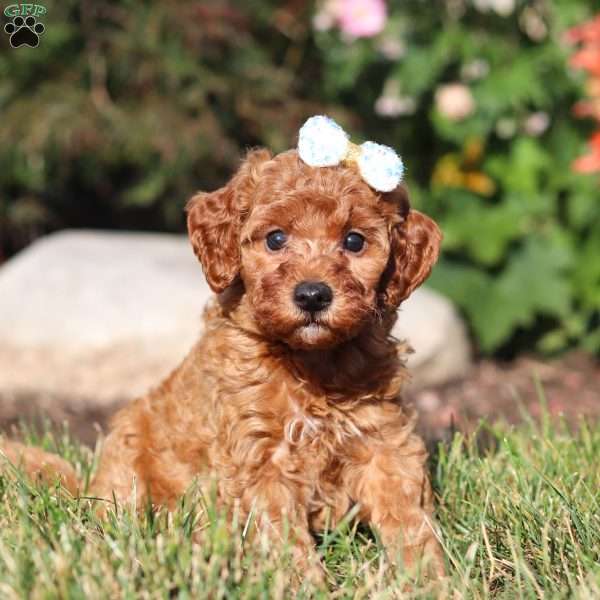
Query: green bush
[126,108]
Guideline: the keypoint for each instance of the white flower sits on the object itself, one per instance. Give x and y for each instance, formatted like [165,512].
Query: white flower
[323,21]
[503,7]
[455,101]
[395,106]
[456,8]
[476,69]
[506,128]
[393,48]
[533,25]
[391,102]
[536,123]
[482,5]
[326,17]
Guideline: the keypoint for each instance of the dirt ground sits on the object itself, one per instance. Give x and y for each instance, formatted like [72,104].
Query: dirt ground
[568,387]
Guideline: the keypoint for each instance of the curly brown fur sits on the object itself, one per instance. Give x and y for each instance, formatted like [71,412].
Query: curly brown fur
[297,415]
[40,465]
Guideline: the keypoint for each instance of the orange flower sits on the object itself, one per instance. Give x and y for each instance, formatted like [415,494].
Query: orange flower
[587,108]
[588,59]
[461,171]
[589,163]
[586,32]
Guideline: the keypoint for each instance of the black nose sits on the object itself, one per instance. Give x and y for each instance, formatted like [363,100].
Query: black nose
[312,296]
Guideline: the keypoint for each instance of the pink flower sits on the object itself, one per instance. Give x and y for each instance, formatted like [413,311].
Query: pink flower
[536,123]
[361,18]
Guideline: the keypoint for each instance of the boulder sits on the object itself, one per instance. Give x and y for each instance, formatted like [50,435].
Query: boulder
[433,328]
[90,319]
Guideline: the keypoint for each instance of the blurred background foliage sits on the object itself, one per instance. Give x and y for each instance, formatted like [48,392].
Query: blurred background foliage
[126,108]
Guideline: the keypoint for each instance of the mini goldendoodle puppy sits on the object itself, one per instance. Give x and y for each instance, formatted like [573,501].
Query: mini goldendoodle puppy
[291,398]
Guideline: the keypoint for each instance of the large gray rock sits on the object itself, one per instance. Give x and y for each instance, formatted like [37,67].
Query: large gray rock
[89,319]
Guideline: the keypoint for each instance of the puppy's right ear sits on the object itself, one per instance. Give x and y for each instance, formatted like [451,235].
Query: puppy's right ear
[214,221]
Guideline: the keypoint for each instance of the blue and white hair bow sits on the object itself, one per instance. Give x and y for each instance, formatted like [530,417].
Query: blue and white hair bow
[323,143]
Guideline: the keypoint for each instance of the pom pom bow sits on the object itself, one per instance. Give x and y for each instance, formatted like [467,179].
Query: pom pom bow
[323,143]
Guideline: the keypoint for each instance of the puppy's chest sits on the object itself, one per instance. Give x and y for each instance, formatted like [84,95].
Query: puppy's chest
[299,422]
[305,427]
[313,437]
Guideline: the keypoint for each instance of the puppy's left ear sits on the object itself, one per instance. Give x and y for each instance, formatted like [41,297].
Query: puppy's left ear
[414,249]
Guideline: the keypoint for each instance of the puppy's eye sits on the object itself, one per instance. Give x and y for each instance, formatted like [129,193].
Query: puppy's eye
[276,240]
[354,242]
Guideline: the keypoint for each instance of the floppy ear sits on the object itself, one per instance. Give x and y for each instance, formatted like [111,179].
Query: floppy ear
[214,221]
[414,248]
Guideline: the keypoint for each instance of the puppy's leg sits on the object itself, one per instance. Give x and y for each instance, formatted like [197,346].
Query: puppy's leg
[40,465]
[280,506]
[117,479]
[395,495]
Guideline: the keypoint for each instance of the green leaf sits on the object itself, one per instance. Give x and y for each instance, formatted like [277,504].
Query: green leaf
[512,85]
[533,283]
[586,275]
[464,285]
[482,228]
[146,191]
[583,204]
[521,170]
[422,65]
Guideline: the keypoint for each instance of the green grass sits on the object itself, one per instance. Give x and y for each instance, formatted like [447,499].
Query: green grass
[519,520]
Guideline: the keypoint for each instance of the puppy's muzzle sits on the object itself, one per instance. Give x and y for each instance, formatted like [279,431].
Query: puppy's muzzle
[312,296]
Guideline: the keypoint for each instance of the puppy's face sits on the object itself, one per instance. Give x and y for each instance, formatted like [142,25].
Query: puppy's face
[319,252]
[312,256]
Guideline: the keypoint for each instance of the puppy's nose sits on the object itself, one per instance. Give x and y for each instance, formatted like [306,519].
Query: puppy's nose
[312,296]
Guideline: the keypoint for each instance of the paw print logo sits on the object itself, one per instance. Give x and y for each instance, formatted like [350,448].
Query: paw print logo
[24,32]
